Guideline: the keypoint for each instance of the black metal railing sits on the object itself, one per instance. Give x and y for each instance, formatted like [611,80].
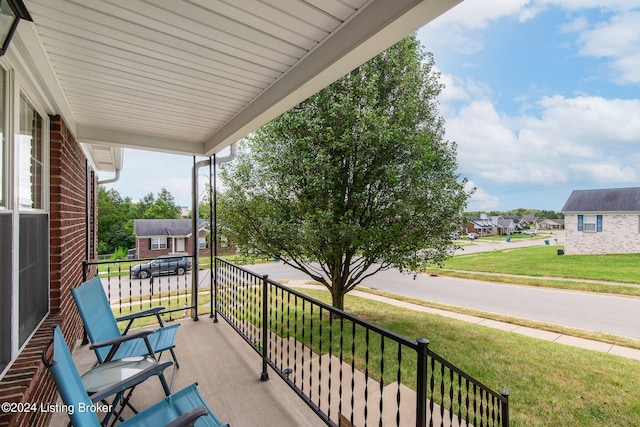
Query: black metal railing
[127,290]
[346,369]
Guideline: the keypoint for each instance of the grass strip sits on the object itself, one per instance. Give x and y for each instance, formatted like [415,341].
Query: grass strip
[543,261]
[550,327]
[566,284]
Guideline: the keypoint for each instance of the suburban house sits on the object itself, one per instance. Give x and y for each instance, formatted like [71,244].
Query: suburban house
[529,219]
[80,81]
[550,224]
[482,225]
[505,225]
[602,221]
[155,237]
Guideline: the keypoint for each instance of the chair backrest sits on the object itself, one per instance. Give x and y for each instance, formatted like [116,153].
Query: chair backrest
[65,375]
[96,314]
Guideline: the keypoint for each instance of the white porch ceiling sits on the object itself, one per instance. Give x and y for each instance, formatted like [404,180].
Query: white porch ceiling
[194,76]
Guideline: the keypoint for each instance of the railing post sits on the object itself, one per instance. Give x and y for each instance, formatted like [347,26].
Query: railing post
[264,376]
[421,383]
[214,287]
[505,408]
[213,236]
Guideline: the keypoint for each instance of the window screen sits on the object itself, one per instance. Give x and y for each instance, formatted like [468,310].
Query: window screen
[31,157]
[34,272]
[5,289]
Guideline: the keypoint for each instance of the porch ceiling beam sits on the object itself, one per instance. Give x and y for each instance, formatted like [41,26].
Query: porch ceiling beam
[89,134]
[376,27]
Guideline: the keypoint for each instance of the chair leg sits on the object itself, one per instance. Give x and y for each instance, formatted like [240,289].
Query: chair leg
[175,359]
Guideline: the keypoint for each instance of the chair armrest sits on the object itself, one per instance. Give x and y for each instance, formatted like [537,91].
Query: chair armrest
[115,343]
[121,339]
[132,381]
[148,312]
[154,311]
[189,417]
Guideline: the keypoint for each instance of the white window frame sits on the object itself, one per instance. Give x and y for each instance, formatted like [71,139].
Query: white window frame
[16,87]
[158,243]
[23,89]
[589,223]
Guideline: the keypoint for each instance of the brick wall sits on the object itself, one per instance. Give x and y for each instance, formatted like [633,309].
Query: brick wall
[143,250]
[619,235]
[28,380]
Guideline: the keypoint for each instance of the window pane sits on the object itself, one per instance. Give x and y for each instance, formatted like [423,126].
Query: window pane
[589,223]
[34,272]
[5,288]
[158,243]
[31,157]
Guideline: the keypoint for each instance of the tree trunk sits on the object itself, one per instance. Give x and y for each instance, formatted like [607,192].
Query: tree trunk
[337,298]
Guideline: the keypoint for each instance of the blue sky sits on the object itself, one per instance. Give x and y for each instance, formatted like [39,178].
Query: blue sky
[542,97]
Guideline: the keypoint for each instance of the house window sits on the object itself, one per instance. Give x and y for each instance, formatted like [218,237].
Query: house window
[590,223]
[6,279]
[158,243]
[202,242]
[31,157]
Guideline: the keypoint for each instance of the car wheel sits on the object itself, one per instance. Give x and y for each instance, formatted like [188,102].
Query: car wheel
[180,271]
[143,274]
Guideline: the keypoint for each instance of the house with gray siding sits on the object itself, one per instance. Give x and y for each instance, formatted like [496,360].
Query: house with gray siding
[602,221]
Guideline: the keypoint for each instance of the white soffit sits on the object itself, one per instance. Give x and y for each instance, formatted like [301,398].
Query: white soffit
[194,76]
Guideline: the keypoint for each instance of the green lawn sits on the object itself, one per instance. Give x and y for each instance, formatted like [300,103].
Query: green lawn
[543,261]
[550,384]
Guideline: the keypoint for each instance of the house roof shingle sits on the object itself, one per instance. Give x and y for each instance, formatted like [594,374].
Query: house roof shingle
[164,227]
[604,200]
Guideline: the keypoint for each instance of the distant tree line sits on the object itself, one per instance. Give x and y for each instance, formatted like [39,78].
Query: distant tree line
[117,213]
[538,213]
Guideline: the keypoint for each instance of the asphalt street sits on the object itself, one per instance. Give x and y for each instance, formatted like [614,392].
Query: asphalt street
[617,315]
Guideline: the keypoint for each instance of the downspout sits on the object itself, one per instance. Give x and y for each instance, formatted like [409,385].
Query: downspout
[110,180]
[194,221]
[213,233]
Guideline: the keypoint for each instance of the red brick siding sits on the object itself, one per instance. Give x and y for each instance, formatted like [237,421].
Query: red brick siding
[27,380]
[142,246]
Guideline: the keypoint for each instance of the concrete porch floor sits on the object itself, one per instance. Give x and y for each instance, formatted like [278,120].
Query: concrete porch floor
[227,371]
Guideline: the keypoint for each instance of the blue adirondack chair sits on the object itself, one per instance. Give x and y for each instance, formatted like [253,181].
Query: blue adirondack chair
[182,408]
[102,327]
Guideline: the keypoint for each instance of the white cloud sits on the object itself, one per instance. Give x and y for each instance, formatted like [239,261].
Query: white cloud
[617,40]
[572,141]
[573,5]
[458,89]
[481,200]
[474,14]
[461,22]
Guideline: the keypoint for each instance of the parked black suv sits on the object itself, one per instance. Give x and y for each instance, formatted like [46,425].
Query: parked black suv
[163,265]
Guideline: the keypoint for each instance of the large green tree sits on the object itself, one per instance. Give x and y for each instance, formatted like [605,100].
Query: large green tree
[356,179]
[116,215]
[114,227]
[163,206]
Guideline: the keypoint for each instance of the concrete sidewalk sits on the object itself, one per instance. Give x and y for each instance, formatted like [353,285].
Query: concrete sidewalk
[617,350]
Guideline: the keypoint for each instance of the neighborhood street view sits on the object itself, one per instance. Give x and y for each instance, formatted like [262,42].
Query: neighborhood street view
[596,312]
